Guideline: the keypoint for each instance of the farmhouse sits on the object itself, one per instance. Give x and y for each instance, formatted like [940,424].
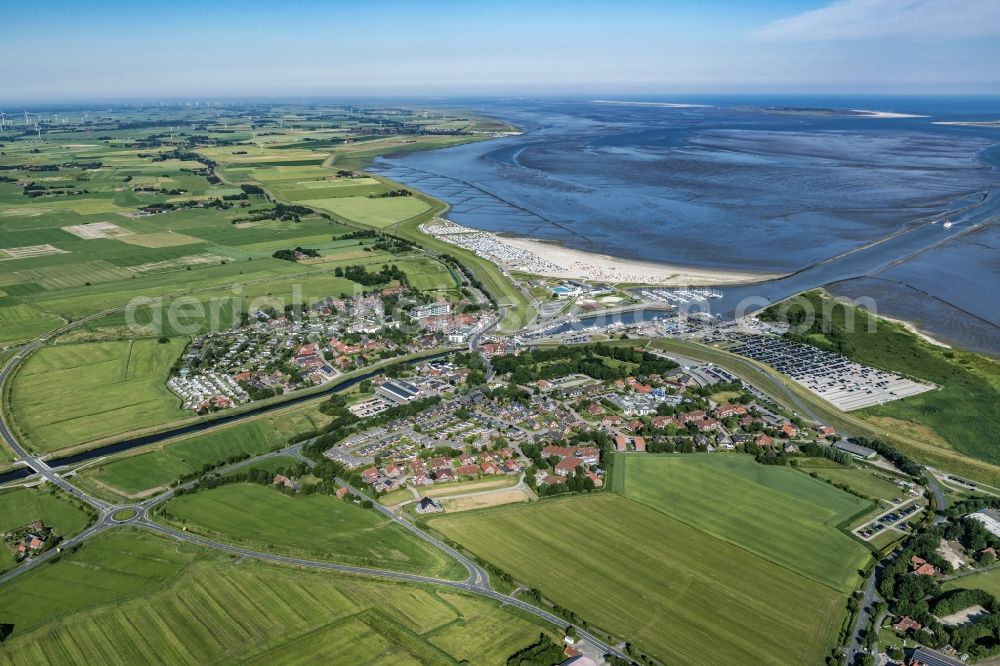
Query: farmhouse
[282,480]
[922,567]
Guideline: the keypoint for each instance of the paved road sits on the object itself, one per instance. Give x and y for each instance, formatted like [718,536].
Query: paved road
[940,503]
[475,341]
[477,575]
[868,600]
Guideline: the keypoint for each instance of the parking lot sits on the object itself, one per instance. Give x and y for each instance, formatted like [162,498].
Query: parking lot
[844,383]
[896,518]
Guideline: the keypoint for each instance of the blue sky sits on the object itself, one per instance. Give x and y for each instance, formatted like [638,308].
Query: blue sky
[60,50]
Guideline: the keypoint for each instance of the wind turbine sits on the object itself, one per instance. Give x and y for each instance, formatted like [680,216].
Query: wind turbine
[3,120]
[25,118]
[38,130]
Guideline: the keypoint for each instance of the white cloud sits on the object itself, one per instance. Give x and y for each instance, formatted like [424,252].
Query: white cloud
[870,19]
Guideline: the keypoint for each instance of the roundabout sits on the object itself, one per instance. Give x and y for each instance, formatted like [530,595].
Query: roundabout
[124,515]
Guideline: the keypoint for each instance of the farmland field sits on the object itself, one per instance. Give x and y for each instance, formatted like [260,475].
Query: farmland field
[178,604]
[137,475]
[775,512]
[22,322]
[69,394]
[984,580]
[677,593]
[379,212]
[865,480]
[318,526]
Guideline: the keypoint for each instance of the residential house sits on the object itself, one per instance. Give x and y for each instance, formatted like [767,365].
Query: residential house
[906,623]
[566,466]
[471,470]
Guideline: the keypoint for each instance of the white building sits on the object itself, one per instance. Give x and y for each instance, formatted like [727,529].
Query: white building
[990,520]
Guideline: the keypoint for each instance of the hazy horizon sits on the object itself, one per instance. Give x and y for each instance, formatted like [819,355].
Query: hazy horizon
[113,51]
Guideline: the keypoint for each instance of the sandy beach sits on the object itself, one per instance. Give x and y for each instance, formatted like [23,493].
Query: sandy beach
[867,113]
[593,266]
[665,105]
[912,328]
[550,259]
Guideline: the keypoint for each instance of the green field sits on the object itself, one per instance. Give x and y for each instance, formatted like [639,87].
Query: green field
[317,526]
[22,506]
[70,394]
[271,465]
[985,580]
[137,475]
[379,212]
[775,512]
[22,322]
[866,480]
[148,600]
[679,594]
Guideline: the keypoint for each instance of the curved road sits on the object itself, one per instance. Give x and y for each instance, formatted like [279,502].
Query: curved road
[477,582]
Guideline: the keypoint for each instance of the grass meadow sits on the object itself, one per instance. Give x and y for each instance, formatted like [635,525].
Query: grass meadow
[983,580]
[677,593]
[376,212]
[317,526]
[775,512]
[149,600]
[865,480]
[139,475]
[69,394]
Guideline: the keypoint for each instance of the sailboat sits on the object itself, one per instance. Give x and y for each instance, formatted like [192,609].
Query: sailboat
[947,224]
